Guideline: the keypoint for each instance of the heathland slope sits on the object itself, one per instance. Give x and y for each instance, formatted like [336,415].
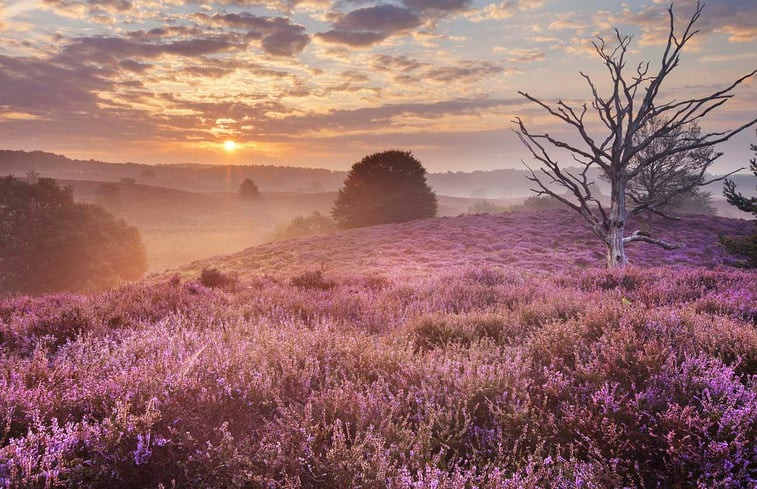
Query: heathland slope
[527,240]
[445,354]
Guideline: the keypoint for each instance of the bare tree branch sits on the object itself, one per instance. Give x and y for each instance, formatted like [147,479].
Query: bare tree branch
[640,236]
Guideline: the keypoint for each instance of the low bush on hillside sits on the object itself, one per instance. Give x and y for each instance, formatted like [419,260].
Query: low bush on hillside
[745,249]
[312,280]
[486,207]
[214,278]
[302,226]
[542,202]
[491,377]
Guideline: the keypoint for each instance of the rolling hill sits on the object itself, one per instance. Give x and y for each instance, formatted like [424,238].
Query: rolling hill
[527,240]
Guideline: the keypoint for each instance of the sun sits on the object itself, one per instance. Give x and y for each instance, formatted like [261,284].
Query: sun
[229,145]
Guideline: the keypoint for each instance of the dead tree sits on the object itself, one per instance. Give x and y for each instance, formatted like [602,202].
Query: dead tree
[619,153]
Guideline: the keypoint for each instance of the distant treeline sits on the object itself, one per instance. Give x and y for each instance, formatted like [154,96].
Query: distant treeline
[187,177]
[215,178]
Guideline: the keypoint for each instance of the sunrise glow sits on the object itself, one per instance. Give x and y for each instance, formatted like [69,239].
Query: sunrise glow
[322,83]
[230,146]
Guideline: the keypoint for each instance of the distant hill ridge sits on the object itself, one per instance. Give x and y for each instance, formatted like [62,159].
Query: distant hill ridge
[198,177]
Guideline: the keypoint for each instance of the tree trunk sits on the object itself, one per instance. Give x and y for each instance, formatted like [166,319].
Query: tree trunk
[616,254]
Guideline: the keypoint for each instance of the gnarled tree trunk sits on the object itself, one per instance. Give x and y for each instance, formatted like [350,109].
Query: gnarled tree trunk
[616,223]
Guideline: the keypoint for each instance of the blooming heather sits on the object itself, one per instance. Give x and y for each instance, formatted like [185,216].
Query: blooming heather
[477,375]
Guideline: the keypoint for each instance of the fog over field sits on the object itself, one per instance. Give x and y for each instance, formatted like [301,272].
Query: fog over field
[188,212]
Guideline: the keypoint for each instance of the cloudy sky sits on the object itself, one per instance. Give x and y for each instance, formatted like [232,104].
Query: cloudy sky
[321,83]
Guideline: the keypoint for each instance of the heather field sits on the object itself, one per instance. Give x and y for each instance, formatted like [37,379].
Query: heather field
[541,241]
[487,351]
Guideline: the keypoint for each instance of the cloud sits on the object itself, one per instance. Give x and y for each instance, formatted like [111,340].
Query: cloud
[385,116]
[287,6]
[112,50]
[285,43]
[102,11]
[568,21]
[370,25]
[381,18]
[735,19]
[503,10]
[279,36]
[407,70]
[134,66]
[353,39]
[107,5]
[467,71]
[38,86]
[350,81]
[438,5]
[521,55]
[398,64]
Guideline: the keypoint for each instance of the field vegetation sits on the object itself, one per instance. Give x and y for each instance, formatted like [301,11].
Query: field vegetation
[548,240]
[496,367]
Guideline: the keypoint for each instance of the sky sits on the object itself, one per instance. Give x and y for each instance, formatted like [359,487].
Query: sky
[319,83]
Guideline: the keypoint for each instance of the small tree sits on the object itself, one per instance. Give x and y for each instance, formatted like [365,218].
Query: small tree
[619,152]
[248,189]
[671,182]
[384,187]
[49,243]
[746,247]
[32,176]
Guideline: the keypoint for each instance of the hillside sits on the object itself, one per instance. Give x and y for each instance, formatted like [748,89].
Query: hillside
[478,351]
[527,240]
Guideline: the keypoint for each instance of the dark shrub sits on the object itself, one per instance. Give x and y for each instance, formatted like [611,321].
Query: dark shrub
[214,278]
[248,189]
[312,280]
[746,248]
[538,202]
